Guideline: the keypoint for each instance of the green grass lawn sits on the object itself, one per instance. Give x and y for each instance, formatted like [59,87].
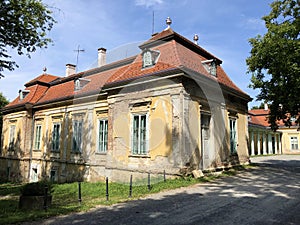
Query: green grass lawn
[65,196]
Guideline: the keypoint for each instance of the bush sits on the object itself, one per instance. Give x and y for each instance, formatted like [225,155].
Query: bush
[36,189]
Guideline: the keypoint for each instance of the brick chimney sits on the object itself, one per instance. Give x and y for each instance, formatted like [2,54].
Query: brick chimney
[70,69]
[101,57]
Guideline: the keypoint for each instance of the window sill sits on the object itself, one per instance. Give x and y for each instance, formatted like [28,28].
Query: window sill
[76,152]
[101,153]
[139,156]
[37,150]
[55,151]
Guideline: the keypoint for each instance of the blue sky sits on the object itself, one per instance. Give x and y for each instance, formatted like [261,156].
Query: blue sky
[223,27]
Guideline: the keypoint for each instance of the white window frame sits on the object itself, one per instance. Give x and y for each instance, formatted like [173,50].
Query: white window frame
[233,143]
[102,136]
[12,133]
[294,143]
[55,137]
[37,137]
[34,175]
[77,136]
[139,151]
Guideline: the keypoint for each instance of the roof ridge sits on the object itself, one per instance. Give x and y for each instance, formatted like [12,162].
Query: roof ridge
[42,95]
[177,55]
[38,79]
[93,71]
[29,100]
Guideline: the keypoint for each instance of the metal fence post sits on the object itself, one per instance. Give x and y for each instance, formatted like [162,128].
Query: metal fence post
[107,194]
[130,187]
[149,182]
[79,192]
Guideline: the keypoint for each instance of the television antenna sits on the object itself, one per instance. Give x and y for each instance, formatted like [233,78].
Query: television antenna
[153,22]
[78,50]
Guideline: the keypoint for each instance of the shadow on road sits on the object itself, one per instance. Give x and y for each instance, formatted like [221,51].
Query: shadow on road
[266,194]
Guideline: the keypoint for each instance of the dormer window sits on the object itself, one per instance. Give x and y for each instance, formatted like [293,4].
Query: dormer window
[249,118]
[77,85]
[80,83]
[23,94]
[150,57]
[211,66]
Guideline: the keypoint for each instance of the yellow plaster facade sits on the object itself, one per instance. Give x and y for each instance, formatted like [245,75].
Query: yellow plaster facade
[290,140]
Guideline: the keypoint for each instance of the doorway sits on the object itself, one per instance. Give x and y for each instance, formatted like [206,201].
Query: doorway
[205,139]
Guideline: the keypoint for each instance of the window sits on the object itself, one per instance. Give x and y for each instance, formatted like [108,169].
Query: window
[53,176]
[294,143]
[12,130]
[139,136]
[102,135]
[77,85]
[23,94]
[210,66]
[34,175]
[80,83]
[150,57]
[233,144]
[213,68]
[77,136]
[37,140]
[55,137]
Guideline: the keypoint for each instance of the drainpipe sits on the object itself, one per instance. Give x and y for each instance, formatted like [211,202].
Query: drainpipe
[31,147]
[29,107]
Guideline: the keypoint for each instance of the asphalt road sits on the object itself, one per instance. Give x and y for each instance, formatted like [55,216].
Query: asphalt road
[268,194]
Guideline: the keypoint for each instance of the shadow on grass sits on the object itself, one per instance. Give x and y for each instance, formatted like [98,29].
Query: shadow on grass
[257,189]
[267,194]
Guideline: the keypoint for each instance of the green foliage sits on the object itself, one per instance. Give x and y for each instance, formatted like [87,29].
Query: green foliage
[24,24]
[10,189]
[3,102]
[274,62]
[261,106]
[36,188]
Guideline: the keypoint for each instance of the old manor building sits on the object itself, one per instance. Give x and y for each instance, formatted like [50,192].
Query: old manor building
[171,108]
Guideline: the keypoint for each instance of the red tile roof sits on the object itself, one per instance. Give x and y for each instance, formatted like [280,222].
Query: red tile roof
[44,78]
[35,93]
[168,34]
[176,53]
[259,117]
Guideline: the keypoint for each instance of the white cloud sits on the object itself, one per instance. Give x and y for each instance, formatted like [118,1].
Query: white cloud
[253,24]
[148,3]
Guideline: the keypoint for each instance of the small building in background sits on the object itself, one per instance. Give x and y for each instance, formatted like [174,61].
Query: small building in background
[263,140]
[290,138]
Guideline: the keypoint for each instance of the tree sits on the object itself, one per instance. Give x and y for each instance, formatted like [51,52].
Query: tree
[274,62]
[3,102]
[23,27]
[261,106]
